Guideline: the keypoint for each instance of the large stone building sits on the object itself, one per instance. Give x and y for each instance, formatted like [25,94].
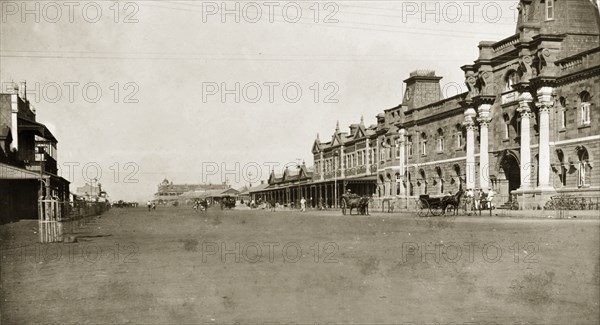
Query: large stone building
[168,193]
[28,161]
[528,127]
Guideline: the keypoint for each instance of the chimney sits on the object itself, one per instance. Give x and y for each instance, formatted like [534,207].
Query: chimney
[23,90]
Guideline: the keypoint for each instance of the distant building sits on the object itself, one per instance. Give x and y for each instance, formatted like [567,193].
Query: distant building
[169,193]
[28,160]
[92,193]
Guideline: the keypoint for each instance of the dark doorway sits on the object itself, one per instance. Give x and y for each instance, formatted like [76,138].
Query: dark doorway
[512,172]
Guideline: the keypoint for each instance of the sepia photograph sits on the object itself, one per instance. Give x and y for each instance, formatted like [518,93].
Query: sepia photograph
[300,162]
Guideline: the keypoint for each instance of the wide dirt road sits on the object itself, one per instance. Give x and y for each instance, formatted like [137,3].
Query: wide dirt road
[173,266]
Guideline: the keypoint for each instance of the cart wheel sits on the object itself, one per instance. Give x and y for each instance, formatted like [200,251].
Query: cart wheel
[343,207]
[422,209]
[436,210]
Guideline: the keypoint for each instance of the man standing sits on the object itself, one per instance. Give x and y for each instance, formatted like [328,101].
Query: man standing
[303,205]
[477,198]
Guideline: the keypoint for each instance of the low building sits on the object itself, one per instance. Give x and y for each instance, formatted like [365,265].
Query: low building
[169,193]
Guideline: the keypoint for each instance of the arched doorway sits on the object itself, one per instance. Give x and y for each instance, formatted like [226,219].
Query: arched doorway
[510,175]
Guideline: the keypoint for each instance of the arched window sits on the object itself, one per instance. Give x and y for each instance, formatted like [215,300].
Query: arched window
[512,78]
[423,144]
[562,113]
[584,167]
[459,136]
[585,107]
[506,126]
[409,145]
[562,168]
[423,180]
[440,140]
[438,171]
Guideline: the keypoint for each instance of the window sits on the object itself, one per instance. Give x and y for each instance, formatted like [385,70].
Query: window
[397,149]
[409,145]
[549,9]
[506,126]
[562,113]
[440,140]
[584,167]
[389,151]
[423,144]
[512,78]
[562,167]
[585,107]
[459,136]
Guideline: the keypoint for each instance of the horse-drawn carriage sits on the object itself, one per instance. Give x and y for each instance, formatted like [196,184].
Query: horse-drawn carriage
[354,201]
[438,205]
[227,202]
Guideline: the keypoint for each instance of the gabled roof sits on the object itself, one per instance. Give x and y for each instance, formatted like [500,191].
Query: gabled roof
[258,188]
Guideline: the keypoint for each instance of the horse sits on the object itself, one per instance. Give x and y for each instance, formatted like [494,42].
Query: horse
[453,201]
[363,207]
[355,201]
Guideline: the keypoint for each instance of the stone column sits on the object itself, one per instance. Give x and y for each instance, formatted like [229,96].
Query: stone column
[484,161]
[544,104]
[525,111]
[470,163]
[368,157]
[401,143]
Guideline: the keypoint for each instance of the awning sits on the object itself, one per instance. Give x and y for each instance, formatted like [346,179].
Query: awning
[12,172]
[38,128]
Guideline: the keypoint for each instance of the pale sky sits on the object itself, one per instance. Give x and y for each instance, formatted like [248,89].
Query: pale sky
[168,56]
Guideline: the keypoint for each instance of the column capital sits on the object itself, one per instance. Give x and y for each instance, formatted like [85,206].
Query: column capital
[525,114]
[484,121]
[544,107]
[469,125]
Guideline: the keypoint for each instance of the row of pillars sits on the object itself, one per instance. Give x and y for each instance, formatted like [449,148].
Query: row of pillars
[544,104]
[325,192]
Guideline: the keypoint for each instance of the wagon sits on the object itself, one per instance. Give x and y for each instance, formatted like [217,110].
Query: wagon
[431,205]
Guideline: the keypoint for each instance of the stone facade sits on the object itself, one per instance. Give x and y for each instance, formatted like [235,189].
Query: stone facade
[527,127]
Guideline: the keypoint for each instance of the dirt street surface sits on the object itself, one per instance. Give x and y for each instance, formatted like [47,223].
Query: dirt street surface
[173,266]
